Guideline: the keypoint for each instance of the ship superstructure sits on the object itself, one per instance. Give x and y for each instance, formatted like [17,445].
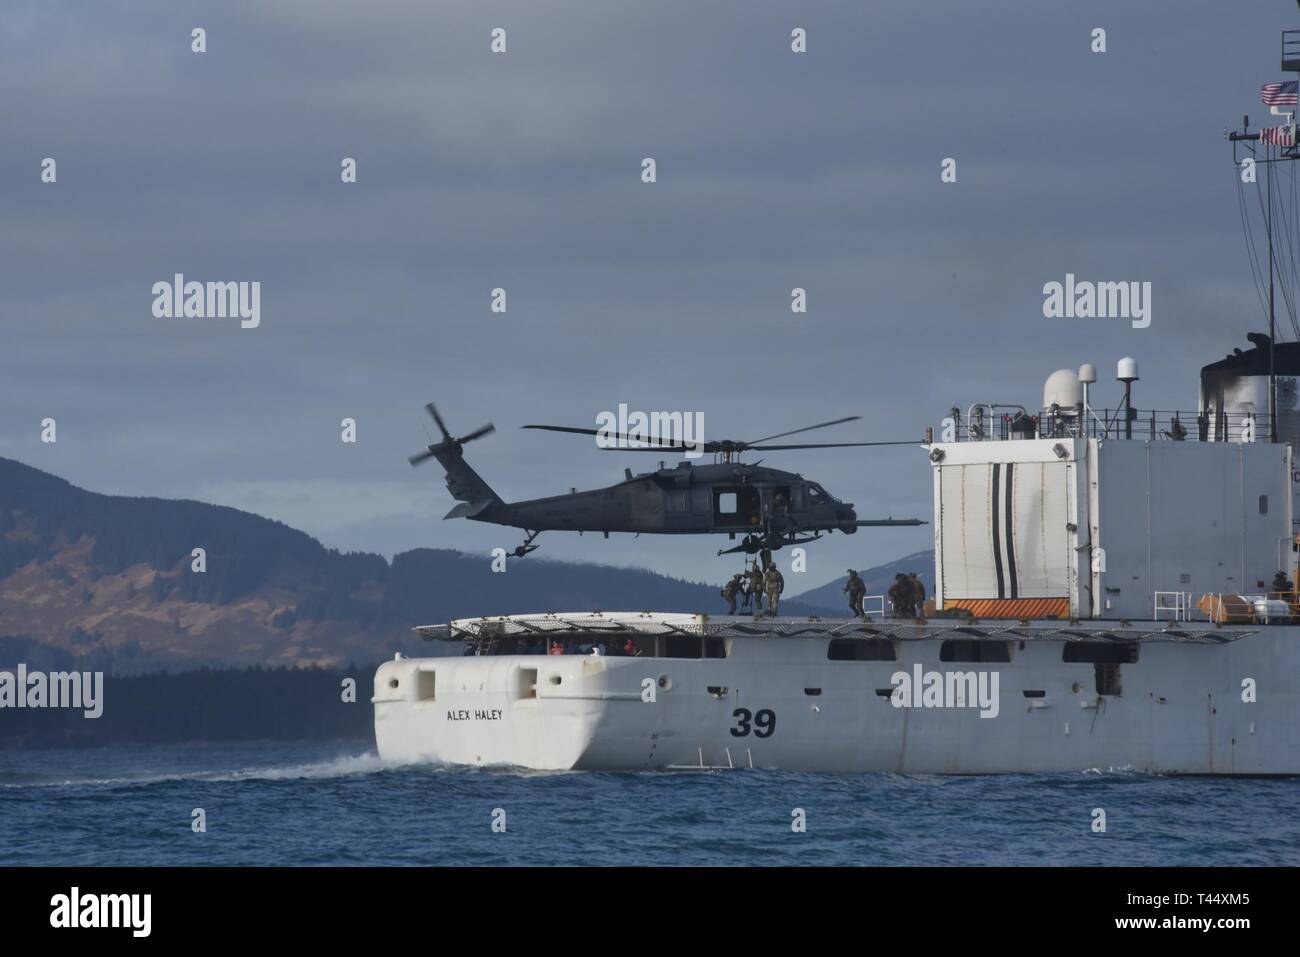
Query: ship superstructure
[1074,512]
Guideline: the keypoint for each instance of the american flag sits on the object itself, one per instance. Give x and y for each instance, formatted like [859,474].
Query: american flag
[1278,136]
[1279,94]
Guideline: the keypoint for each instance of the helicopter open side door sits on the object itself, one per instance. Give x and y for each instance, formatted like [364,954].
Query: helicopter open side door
[737,507]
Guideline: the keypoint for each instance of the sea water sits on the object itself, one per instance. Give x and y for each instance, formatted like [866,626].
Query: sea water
[339,804]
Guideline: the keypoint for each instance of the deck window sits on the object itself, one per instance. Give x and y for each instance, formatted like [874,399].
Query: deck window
[975,650]
[682,646]
[1100,652]
[861,649]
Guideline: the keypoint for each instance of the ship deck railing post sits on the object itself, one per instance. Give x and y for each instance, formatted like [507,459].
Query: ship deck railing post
[868,612]
[1178,608]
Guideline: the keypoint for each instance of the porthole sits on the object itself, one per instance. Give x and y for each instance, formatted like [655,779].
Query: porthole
[392,682]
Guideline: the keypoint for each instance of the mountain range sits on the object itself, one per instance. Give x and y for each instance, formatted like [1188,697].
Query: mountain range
[108,582]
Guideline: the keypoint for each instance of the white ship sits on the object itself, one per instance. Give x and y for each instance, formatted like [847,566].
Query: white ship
[1105,598]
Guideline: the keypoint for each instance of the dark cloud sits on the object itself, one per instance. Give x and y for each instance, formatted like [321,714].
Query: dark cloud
[522,171]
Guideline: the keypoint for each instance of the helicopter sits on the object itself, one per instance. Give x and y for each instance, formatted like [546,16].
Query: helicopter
[769,507]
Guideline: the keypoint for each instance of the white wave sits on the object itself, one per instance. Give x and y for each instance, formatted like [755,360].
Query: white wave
[344,766]
[1126,770]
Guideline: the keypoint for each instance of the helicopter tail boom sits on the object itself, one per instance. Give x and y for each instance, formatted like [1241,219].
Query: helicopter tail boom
[473,494]
[468,509]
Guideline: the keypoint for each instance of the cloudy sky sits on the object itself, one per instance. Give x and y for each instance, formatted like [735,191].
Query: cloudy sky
[522,170]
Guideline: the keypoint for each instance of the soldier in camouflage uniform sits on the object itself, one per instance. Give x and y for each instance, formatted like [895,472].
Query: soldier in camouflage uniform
[918,594]
[856,591]
[775,585]
[899,593]
[730,590]
[756,587]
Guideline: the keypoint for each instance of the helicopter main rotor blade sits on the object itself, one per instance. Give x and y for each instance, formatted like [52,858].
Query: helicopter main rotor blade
[652,448]
[825,445]
[884,522]
[807,428]
[563,428]
[643,444]
[719,447]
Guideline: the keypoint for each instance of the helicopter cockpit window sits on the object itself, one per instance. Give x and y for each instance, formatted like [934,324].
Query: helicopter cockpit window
[727,503]
[817,495]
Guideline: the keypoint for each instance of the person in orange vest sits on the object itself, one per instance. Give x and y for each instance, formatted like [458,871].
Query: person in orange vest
[556,648]
[629,648]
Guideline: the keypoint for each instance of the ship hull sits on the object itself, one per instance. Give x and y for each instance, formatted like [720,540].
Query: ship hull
[1229,705]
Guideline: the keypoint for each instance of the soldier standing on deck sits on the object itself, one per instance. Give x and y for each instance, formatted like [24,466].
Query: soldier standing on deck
[775,585]
[898,595]
[918,594]
[856,591]
[756,587]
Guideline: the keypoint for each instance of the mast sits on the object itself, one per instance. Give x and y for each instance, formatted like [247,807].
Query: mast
[1286,152]
[1272,322]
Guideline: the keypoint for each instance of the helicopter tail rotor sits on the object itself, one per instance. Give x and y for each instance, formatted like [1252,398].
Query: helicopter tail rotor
[475,498]
[448,442]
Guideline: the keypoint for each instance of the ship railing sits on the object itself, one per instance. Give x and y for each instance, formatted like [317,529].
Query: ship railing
[1291,50]
[1172,603]
[938,625]
[873,606]
[1263,608]
[1290,598]
[1161,425]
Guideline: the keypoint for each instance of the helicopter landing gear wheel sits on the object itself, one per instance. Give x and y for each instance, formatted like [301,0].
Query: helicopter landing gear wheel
[527,546]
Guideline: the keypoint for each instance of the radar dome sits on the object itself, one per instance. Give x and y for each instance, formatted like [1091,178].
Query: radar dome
[1063,389]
